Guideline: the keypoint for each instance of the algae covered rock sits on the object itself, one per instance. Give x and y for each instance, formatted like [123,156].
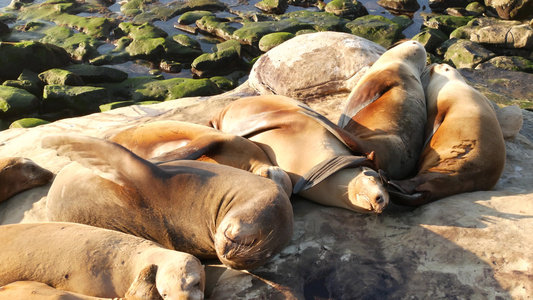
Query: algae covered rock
[226,59]
[377,29]
[31,55]
[349,9]
[113,105]
[467,54]
[512,9]
[79,46]
[447,24]
[430,38]
[28,123]
[27,85]
[271,40]
[81,99]
[15,102]
[97,74]
[191,17]
[400,5]
[273,6]
[60,76]
[511,63]
[174,88]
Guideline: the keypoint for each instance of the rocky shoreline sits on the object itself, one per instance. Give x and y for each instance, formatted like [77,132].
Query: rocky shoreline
[55,60]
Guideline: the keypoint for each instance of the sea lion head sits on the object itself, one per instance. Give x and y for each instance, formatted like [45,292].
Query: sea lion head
[409,51]
[178,279]
[254,230]
[367,193]
[19,174]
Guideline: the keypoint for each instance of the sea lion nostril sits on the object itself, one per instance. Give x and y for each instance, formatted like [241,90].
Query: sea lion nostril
[380,200]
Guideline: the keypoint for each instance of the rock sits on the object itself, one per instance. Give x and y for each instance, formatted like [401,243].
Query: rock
[142,31]
[27,85]
[170,66]
[81,99]
[97,74]
[123,91]
[114,105]
[349,9]
[320,68]
[430,38]
[217,27]
[191,17]
[80,46]
[441,5]
[502,86]
[273,6]
[475,8]
[511,120]
[4,29]
[34,56]
[28,123]
[174,88]
[512,63]
[403,21]
[447,24]
[400,5]
[187,41]
[15,102]
[500,33]
[272,40]
[218,63]
[60,76]
[512,9]
[472,244]
[377,29]
[467,54]
[223,83]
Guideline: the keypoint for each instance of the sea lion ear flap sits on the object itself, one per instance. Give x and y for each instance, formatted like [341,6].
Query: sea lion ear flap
[144,285]
[363,95]
[105,158]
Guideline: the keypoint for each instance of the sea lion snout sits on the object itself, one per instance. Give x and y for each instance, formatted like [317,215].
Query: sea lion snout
[367,193]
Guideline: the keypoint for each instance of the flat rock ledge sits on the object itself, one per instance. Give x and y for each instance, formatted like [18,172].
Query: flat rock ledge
[473,245]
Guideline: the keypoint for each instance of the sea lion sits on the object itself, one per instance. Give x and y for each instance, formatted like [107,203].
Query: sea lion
[97,262]
[465,148]
[167,141]
[18,174]
[33,290]
[204,209]
[321,167]
[386,110]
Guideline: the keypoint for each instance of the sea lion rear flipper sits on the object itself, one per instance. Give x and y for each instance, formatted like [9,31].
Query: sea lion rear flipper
[107,159]
[369,91]
[325,169]
[193,150]
[348,139]
[144,285]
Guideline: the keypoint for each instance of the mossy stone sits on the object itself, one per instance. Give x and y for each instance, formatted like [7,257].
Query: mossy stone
[402,20]
[113,105]
[174,88]
[447,24]
[60,76]
[191,17]
[223,83]
[147,48]
[215,26]
[97,74]
[271,40]
[430,38]
[512,63]
[273,6]
[79,46]
[142,31]
[35,56]
[377,29]
[81,99]
[16,102]
[187,41]
[147,102]
[124,90]
[27,85]
[349,9]
[28,123]
[467,54]
[218,63]
[231,44]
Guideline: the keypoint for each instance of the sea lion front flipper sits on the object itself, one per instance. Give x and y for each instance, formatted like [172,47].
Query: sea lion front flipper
[348,139]
[369,91]
[144,285]
[105,158]
[326,168]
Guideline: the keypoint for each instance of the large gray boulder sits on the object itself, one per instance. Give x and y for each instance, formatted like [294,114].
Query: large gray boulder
[307,66]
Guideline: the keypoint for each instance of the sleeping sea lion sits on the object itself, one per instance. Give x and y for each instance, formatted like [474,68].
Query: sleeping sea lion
[465,149]
[299,140]
[18,174]
[96,262]
[204,209]
[163,142]
[386,110]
